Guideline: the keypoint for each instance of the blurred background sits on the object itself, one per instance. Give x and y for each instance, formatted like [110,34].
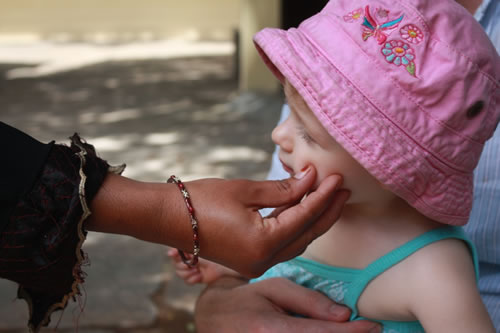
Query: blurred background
[167,87]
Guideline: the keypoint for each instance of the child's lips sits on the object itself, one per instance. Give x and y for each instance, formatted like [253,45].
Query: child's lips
[287,168]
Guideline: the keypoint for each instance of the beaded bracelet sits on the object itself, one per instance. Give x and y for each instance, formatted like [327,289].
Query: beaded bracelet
[194,223]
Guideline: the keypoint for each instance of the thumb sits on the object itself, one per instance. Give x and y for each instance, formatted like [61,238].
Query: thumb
[276,193]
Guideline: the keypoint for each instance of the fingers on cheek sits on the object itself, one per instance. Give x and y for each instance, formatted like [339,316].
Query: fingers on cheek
[304,211]
[335,208]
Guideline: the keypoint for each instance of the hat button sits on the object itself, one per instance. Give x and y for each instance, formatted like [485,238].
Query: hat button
[475,109]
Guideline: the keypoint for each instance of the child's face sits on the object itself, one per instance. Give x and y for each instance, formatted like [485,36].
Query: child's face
[304,141]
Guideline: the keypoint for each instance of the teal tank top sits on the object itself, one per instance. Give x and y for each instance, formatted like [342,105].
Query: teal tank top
[345,285]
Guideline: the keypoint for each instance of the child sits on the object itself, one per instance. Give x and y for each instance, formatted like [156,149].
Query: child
[398,97]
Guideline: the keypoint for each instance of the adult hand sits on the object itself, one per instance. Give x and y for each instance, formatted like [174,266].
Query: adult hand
[233,233]
[231,230]
[230,305]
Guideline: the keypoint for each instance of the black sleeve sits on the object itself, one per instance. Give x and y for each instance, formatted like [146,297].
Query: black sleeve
[47,198]
[22,160]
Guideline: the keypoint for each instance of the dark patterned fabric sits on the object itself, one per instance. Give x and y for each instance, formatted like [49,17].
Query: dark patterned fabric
[40,245]
[22,161]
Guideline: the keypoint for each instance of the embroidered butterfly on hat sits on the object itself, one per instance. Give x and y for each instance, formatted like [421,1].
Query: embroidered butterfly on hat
[377,24]
[380,31]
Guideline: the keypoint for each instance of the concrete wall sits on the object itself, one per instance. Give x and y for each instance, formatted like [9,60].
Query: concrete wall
[120,19]
[255,15]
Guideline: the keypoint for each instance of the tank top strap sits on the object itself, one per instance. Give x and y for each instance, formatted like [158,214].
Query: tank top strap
[397,255]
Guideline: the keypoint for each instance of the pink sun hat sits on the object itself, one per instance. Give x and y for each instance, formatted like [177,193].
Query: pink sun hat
[409,88]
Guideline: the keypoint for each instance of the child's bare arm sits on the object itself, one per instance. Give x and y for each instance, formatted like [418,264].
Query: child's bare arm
[444,292]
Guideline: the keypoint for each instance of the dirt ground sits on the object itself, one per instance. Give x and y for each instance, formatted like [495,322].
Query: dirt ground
[176,116]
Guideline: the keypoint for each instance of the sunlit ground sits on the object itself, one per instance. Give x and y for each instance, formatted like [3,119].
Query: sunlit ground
[50,57]
[157,116]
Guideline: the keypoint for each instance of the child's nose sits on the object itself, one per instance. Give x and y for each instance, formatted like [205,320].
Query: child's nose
[281,137]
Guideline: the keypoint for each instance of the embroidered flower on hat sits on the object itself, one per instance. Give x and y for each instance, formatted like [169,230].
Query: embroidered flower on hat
[397,52]
[400,53]
[354,15]
[412,33]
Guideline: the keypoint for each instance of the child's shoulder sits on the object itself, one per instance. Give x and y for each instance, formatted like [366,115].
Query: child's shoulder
[434,276]
[443,253]
[444,294]
[440,264]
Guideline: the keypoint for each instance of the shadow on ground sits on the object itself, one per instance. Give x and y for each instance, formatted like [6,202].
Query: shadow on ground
[177,116]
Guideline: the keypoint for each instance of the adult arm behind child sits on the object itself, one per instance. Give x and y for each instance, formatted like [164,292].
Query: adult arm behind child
[266,308]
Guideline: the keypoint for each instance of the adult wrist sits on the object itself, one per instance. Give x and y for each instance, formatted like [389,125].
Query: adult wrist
[193,221]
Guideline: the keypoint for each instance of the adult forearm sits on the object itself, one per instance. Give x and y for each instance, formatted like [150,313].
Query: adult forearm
[147,211]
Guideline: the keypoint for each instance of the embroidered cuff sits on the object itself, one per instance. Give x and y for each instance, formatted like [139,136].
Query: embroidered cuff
[40,248]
